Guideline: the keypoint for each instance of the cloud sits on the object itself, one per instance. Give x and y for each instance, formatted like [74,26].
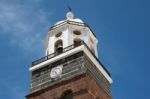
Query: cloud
[24,22]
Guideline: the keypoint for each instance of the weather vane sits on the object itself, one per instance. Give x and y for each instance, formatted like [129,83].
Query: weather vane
[69,8]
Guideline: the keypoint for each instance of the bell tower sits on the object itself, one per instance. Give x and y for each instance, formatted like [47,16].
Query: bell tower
[71,68]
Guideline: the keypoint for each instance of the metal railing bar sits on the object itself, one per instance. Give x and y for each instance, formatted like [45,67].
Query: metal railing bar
[64,50]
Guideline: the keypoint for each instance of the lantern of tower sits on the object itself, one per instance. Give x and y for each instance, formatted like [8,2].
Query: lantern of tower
[68,32]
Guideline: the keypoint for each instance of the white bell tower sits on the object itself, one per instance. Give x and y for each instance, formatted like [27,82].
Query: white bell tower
[68,32]
[70,68]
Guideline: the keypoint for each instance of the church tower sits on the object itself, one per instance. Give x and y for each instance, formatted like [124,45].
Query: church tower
[71,68]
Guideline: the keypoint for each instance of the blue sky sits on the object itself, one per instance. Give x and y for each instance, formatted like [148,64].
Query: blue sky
[121,26]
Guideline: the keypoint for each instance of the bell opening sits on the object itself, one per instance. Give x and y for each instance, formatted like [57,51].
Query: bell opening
[59,47]
[77,42]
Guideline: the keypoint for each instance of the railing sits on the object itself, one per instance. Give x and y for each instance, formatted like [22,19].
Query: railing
[51,55]
[65,50]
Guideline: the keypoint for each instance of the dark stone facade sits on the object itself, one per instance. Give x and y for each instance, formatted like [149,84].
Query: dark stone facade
[78,71]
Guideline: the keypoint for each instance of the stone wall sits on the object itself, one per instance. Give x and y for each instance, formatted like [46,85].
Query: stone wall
[82,87]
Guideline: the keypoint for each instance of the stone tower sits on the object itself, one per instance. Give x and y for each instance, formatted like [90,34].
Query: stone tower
[70,68]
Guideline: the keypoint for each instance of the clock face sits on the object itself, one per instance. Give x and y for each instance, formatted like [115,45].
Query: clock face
[56,72]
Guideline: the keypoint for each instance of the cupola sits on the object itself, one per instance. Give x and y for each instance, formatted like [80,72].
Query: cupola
[72,31]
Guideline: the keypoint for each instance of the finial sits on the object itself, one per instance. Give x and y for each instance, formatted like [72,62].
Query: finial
[69,15]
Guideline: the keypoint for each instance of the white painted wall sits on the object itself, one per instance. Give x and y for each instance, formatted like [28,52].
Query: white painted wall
[68,38]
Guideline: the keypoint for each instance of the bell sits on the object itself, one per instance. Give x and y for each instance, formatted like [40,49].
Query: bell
[59,49]
[59,46]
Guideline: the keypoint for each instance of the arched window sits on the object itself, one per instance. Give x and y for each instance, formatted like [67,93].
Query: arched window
[58,34]
[67,95]
[77,42]
[59,47]
[76,32]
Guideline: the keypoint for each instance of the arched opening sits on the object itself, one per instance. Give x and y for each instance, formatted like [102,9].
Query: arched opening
[67,95]
[58,34]
[77,42]
[59,47]
[77,32]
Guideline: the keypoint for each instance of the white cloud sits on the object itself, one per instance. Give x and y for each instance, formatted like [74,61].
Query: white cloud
[24,23]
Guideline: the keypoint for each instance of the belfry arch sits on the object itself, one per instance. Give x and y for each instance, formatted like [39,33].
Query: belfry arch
[59,47]
[77,42]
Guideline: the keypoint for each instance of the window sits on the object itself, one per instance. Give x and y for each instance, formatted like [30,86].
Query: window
[77,42]
[58,34]
[59,47]
[67,95]
[76,32]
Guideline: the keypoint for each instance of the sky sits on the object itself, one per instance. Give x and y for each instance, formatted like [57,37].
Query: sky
[121,26]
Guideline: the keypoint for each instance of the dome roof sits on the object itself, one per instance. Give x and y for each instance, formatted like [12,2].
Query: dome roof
[70,16]
[75,20]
